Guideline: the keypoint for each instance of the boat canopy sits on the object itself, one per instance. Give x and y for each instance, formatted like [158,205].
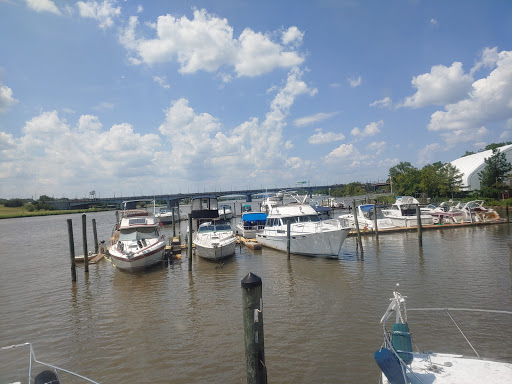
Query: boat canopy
[254,216]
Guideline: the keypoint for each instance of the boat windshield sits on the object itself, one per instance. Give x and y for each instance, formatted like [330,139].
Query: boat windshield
[216,227]
[131,234]
[272,222]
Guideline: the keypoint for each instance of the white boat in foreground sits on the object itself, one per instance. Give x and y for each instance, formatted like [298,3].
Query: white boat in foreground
[139,244]
[400,365]
[48,373]
[309,235]
[215,240]
[365,218]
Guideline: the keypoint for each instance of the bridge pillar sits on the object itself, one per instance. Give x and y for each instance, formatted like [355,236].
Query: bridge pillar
[248,198]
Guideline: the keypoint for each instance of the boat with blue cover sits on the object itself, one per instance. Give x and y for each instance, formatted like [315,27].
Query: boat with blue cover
[251,223]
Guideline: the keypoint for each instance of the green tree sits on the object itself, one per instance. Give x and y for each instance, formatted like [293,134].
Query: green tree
[431,179]
[405,179]
[493,175]
[354,189]
[451,180]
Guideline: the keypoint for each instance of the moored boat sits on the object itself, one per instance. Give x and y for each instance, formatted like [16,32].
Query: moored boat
[251,223]
[403,213]
[139,243]
[225,212]
[215,240]
[400,365]
[475,212]
[365,218]
[166,215]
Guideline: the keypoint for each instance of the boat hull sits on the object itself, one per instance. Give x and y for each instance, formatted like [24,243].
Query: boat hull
[327,243]
[216,252]
[139,260]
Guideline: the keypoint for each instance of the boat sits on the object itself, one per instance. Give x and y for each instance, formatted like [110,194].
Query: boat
[225,212]
[251,223]
[403,213]
[166,215]
[366,219]
[309,235]
[448,212]
[475,212]
[139,243]
[400,365]
[48,373]
[215,240]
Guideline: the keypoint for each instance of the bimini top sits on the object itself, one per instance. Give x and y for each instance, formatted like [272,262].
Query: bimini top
[470,166]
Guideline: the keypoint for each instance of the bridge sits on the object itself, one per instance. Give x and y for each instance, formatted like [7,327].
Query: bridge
[173,200]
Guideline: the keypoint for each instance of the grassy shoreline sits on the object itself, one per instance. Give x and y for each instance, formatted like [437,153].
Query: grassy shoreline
[12,213]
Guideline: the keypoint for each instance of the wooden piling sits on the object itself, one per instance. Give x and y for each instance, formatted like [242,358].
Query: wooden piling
[95,234]
[72,250]
[356,221]
[506,208]
[189,249]
[420,229]
[84,237]
[253,329]
[288,238]
[375,221]
[173,224]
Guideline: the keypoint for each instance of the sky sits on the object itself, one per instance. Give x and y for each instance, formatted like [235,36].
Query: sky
[140,97]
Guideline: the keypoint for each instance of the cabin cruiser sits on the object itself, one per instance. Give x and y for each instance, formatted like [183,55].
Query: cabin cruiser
[403,213]
[138,245]
[475,212]
[166,215]
[215,240]
[366,219]
[225,212]
[251,223]
[309,235]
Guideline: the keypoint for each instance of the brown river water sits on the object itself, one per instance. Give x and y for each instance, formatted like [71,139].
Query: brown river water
[321,316]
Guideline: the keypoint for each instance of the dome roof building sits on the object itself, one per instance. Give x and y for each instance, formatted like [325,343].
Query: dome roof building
[470,166]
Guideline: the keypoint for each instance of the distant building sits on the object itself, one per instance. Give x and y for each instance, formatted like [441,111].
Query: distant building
[470,166]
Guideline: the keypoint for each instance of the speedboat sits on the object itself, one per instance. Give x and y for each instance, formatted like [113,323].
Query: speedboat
[448,212]
[48,373]
[475,212]
[166,215]
[251,223]
[309,235]
[139,243]
[403,213]
[225,212]
[400,365]
[215,240]
[365,218]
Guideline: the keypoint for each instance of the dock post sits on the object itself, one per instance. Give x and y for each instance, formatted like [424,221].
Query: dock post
[95,234]
[288,238]
[420,229]
[354,211]
[72,250]
[173,224]
[84,237]
[506,208]
[253,329]
[375,221]
[189,240]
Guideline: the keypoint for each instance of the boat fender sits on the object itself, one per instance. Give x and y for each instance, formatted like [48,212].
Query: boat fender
[46,377]
[401,340]
[390,366]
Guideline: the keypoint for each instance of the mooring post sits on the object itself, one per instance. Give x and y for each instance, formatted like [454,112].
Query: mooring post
[173,223]
[84,237]
[375,220]
[95,234]
[506,208]
[420,229]
[72,250]
[288,238]
[253,329]
[356,221]
[189,238]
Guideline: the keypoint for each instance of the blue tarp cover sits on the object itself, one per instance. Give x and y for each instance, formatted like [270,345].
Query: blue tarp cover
[254,216]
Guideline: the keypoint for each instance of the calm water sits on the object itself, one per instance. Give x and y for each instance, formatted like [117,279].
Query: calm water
[321,316]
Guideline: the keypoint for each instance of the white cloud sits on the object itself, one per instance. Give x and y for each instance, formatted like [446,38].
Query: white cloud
[292,35]
[103,12]
[489,101]
[428,153]
[344,151]
[442,85]
[370,130]
[6,99]
[488,59]
[471,135]
[313,119]
[140,8]
[206,43]
[161,81]
[43,6]
[377,147]
[433,21]
[385,103]
[388,163]
[327,137]
[355,81]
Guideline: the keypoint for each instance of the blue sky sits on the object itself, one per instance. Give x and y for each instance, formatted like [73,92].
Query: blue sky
[149,97]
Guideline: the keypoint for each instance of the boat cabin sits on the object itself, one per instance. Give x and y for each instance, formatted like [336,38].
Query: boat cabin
[205,207]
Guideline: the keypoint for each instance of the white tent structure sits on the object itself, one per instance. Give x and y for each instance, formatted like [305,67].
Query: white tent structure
[471,165]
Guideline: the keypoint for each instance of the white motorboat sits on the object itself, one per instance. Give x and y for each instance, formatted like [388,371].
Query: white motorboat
[138,245]
[166,215]
[403,213]
[309,235]
[366,220]
[475,212]
[215,240]
[400,365]
[225,212]
[448,212]
[251,223]
[48,373]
